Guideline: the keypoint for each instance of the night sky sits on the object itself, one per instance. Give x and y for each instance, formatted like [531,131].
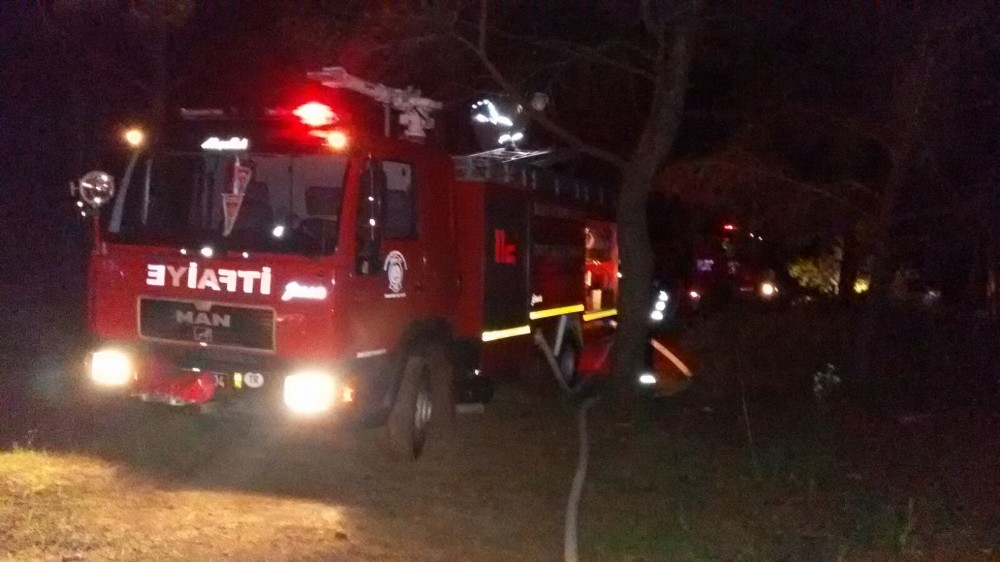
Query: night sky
[812,94]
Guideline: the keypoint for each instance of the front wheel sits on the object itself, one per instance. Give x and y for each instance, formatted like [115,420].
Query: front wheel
[425,396]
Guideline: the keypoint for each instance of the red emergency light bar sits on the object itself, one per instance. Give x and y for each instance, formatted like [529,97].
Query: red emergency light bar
[312,114]
[315,114]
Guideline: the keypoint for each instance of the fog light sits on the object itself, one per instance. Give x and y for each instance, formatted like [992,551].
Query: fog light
[309,392]
[110,367]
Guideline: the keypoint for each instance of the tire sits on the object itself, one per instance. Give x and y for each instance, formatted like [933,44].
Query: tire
[568,361]
[425,400]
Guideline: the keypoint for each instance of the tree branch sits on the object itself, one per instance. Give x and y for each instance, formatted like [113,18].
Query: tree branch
[580,52]
[482,26]
[821,190]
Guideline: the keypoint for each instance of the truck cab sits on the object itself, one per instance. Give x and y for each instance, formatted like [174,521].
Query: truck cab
[241,265]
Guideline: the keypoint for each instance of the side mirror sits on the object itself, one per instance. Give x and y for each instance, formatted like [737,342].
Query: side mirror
[95,188]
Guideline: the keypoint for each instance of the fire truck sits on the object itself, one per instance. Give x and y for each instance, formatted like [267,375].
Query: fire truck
[280,263]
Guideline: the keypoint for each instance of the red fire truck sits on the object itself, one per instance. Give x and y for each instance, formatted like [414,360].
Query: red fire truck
[279,262]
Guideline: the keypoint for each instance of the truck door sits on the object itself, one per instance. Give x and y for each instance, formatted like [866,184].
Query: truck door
[388,270]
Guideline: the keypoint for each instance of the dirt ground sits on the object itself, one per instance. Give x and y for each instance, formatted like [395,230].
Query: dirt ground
[743,466]
[680,484]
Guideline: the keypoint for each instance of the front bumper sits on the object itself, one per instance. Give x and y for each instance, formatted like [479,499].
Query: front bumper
[226,383]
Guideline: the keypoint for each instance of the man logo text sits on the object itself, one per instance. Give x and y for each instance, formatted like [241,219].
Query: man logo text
[191,318]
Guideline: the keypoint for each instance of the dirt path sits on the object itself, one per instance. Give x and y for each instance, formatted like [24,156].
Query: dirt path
[94,487]
[494,491]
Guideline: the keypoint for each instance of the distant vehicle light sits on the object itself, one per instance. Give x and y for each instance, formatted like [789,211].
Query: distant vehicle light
[110,367]
[315,114]
[660,305]
[729,227]
[206,252]
[647,379]
[656,316]
[695,295]
[768,290]
[134,137]
[336,140]
[663,296]
[310,392]
[278,231]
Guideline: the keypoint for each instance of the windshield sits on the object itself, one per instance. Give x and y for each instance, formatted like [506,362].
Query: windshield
[236,201]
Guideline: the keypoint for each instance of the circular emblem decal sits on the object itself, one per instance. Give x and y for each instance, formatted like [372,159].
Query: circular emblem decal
[395,267]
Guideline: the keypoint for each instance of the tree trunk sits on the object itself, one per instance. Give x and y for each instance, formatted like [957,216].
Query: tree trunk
[652,149]
[637,264]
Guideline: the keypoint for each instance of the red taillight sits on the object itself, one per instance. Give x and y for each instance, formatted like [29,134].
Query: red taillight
[315,114]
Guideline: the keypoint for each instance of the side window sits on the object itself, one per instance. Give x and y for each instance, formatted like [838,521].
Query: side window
[400,201]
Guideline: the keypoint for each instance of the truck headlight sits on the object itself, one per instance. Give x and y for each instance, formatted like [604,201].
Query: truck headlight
[310,392]
[110,367]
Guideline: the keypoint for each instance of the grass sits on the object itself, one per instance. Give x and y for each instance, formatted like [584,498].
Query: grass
[67,506]
[912,479]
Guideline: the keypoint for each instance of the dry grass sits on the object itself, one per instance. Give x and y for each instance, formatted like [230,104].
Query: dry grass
[685,489]
[59,507]
[493,492]
[824,484]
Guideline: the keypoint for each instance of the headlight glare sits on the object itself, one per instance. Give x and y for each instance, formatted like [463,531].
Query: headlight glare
[310,392]
[110,367]
[768,290]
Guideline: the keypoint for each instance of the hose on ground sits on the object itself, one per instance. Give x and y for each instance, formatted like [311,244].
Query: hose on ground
[570,542]
[570,551]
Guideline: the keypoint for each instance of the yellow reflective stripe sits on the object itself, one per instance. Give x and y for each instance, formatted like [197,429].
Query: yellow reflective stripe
[508,333]
[539,314]
[600,314]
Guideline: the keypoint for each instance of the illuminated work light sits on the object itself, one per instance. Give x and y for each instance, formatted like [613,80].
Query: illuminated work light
[310,392]
[110,367]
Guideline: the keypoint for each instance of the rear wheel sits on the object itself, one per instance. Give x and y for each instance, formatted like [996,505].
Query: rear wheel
[568,361]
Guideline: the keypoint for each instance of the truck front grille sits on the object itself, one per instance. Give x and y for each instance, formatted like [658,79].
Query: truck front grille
[207,323]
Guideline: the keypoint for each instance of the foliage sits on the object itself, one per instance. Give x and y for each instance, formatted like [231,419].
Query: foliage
[817,273]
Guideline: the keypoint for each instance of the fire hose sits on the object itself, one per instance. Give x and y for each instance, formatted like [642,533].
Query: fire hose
[570,542]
